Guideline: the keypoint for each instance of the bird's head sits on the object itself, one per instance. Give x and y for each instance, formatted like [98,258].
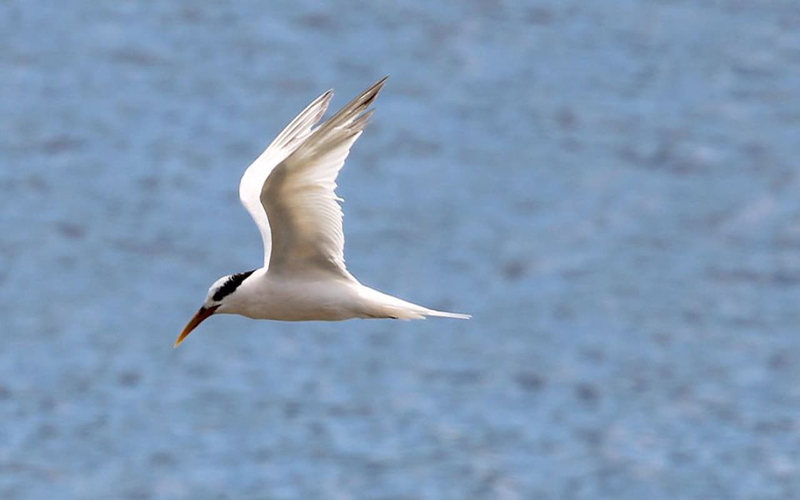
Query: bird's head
[217,301]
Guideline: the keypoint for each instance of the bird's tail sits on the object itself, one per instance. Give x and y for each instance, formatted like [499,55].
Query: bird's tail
[381,305]
[445,314]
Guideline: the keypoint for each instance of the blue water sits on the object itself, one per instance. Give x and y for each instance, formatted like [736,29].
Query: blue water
[610,188]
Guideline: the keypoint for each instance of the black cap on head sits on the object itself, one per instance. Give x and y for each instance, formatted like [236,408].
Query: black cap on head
[232,284]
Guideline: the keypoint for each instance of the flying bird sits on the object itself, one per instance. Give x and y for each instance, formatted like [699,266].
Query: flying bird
[289,191]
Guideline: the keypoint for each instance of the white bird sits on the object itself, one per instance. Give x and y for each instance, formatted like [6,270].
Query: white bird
[289,192]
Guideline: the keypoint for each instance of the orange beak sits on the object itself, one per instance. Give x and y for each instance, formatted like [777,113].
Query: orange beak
[198,318]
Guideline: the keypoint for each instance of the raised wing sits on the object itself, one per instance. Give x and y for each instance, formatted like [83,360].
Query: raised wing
[299,196]
[256,174]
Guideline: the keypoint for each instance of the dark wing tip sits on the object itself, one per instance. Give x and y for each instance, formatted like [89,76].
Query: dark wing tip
[365,99]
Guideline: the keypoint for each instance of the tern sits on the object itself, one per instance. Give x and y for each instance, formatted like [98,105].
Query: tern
[289,191]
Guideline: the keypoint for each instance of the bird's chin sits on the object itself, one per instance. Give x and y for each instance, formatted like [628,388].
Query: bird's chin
[199,317]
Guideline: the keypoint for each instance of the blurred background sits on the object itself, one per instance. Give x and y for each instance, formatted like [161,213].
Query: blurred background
[610,188]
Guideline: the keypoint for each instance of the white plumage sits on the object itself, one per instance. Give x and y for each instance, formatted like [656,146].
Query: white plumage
[289,191]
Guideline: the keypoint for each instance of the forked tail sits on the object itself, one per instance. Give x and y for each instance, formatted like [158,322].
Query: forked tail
[381,305]
[444,314]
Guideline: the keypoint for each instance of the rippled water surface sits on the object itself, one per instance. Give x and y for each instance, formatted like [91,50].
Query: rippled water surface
[610,188]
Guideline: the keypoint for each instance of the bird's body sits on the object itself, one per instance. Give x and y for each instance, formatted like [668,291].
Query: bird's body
[289,191]
[316,297]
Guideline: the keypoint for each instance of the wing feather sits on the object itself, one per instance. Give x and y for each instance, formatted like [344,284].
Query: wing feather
[299,195]
[252,182]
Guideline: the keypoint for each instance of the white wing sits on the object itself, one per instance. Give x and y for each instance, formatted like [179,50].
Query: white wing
[256,174]
[299,196]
